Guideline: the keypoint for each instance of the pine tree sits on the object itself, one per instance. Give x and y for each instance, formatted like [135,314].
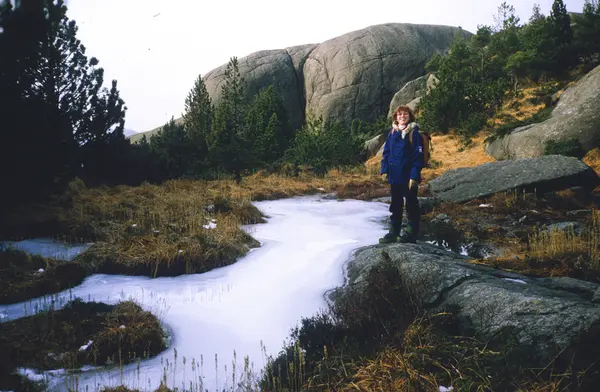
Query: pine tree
[505,40]
[537,46]
[53,101]
[197,120]
[559,21]
[464,88]
[506,18]
[234,95]
[33,149]
[269,146]
[587,33]
[228,148]
[258,117]
[172,149]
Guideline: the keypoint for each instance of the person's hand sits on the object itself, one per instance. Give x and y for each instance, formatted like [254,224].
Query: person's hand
[412,184]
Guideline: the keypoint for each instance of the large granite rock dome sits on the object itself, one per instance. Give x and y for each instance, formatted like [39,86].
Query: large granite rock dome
[354,75]
[357,74]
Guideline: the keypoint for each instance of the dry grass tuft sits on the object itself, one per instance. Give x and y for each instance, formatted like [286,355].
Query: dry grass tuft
[567,252]
[429,358]
[52,339]
[129,334]
[592,159]
[179,227]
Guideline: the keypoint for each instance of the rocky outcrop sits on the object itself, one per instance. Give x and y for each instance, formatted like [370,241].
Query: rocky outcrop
[544,316]
[546,173]
[577,115]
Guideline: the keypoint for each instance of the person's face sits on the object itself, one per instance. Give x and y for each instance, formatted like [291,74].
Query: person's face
[402,118]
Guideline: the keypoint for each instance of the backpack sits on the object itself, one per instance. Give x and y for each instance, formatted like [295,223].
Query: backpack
[427,145]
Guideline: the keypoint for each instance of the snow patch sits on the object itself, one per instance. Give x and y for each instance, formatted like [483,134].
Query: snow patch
[86,346]
[515,280]
[210,225]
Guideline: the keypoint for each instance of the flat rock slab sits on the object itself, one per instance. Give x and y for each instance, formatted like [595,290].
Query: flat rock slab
[545,316]
[541,174]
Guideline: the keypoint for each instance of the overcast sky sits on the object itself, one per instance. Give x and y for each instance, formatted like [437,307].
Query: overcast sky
[156,49]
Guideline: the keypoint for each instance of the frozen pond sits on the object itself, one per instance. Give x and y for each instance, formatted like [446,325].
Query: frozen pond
[241,307]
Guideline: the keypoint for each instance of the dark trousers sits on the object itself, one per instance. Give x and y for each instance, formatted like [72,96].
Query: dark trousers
[400,192]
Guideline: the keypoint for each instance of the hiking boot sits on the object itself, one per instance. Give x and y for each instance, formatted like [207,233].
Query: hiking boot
[407,239]
[409,236]
[388,238]
[392,235]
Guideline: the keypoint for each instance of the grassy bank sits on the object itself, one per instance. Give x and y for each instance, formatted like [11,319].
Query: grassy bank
[79,334]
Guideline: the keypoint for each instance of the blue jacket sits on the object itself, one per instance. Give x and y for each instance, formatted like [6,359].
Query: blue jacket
[401,161]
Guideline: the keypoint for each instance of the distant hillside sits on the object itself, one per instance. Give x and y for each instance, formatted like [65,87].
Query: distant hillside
[138,136]
[128,132]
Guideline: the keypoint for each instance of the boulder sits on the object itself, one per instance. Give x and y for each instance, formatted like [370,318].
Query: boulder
[412,92]
[545,316]
[414,103]
[357,74]
[373,145]
[542,174]
[577,115]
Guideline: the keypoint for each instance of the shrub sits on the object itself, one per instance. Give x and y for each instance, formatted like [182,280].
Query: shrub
[570,147]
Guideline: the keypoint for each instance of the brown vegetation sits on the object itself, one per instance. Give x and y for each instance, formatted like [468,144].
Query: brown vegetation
[24,276]
[80,334]
[378,340]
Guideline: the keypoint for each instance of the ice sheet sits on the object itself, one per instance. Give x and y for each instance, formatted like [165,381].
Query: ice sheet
[258,299]
[46,247]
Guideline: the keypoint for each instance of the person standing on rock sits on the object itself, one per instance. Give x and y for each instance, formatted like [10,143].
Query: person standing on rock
[402,162]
